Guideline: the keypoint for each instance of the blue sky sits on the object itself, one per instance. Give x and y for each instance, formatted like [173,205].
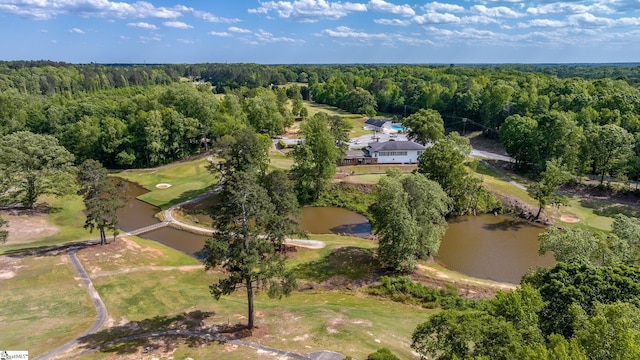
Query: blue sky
[321,31]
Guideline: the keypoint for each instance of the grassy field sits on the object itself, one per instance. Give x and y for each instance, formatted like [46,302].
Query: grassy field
[356,120]
[279,161]
[188,180]
[593,214]
[66,214]
[498,183]
[43,305]
[346,321]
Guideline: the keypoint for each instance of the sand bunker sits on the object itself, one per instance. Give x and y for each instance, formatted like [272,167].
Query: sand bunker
[163,186]
[569,218]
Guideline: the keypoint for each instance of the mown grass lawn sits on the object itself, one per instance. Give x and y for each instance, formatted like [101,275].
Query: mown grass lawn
[65,213]
[593,214]
[43,306]
[188,179]
[346,321]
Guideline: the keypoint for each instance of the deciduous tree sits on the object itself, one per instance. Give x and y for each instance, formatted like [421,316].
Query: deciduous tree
[545,190]
[425,126]
[610,147]
[244,150]
[444,163]
[408,217]
[392,223]
[316,159]
[32,165]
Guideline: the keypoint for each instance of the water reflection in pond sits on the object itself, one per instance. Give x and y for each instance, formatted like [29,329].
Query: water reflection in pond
[180,240]
[327,220]
[490,247]
[138,214]
[499,248]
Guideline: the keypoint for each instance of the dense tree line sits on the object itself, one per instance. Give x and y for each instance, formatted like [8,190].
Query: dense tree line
[539,112]
[142,126]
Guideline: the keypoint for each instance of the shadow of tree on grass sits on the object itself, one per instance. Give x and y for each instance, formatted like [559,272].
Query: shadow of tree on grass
[609,209]
[133,336]
[353,263]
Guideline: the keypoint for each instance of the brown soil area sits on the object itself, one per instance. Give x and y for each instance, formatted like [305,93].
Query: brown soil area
[24,227]
[569,218]
[9,267]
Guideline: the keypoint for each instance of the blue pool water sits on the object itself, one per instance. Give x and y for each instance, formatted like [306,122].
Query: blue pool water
[397,127]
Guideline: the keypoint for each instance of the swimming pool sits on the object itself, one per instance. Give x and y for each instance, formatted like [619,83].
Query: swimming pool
[397,127]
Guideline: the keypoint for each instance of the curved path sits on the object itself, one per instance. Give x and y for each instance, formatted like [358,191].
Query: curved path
[170,220]
[101,309]
[504,176]
[102,314]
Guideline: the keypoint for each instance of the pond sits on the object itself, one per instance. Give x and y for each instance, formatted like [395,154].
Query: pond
[138,214]
[499,248]
[333,220]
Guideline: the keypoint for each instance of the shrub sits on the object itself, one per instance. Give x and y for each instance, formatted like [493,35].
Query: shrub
[403,289]
[382,354]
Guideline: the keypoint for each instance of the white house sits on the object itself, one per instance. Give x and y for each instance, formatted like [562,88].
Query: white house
[395,152]
[378,125]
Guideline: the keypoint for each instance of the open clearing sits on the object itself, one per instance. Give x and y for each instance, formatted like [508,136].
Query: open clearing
[25,228]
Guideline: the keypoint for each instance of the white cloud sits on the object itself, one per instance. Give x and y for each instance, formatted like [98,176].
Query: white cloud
[589,20]
[265,37]
[383,6]
[186,41]
[479,19]
[542,23]
[569,8]
[76,31]
[309,10]
[436,18]
[177,25]
[436,6]
[346,32]
[47,9]
[239,30]
[499,11]
[148,39]
[628,21]
[209,17]
[219,34]
[143,25]
[394,22]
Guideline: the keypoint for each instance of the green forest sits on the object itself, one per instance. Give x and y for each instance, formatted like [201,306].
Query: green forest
[144,115]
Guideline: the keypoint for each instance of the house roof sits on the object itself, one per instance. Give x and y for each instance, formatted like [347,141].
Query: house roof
[395,146]
[354,154]
[375,122]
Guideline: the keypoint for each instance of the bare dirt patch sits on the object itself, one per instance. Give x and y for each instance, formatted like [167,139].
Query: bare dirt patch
[24,228]
[9,267]
[569,218]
